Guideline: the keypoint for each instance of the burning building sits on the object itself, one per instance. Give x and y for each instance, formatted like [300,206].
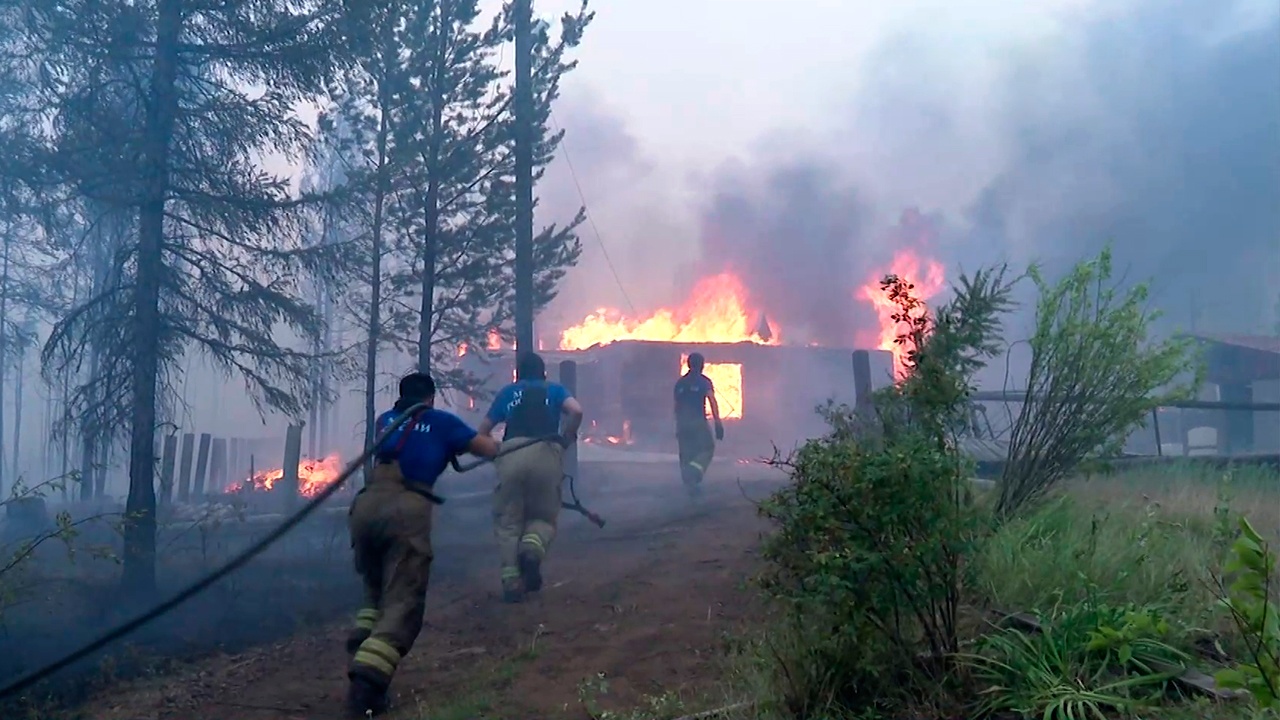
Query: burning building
[768,389]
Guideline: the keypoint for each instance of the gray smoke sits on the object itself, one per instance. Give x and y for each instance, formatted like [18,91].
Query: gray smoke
[1155,128]
[1153,125]
[788,233]
[1172,154]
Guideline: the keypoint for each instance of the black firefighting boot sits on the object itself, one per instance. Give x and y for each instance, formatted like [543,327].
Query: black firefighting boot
[531,569]
[366,697]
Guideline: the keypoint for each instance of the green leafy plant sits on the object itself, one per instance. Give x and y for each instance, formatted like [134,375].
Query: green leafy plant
[1095,375]
[1249,598]
[1087,661]
[18,559]
[873,534]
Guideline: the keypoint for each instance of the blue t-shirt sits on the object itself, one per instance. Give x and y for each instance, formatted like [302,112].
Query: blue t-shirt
[509,396]
[435,437]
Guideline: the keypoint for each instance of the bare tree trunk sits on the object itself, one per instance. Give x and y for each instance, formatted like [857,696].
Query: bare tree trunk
[139,576]
[375,279]
[4,339]
[431,209]
[17,415]
[46,437]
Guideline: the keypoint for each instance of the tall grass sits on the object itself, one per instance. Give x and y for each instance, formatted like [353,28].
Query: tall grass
[1149,536]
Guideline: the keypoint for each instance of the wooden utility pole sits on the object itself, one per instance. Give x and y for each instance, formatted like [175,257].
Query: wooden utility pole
[523,108]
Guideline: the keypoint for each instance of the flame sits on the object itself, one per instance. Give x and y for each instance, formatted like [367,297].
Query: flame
[625,439]
[495,339]
[314,475]
[926,276]
[462,349]
[716,311]
[727,379]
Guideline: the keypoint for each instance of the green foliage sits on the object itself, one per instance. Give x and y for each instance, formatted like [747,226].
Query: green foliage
[873,534]
[1095,374]
[1066,552]
[423,124]
[18,560]
[1086,661]
[1249,598]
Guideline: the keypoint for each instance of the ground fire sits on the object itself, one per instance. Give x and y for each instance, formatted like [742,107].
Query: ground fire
[314,475]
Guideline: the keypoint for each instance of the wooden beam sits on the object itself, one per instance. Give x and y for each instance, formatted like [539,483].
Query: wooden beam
[202,464]
[184,468]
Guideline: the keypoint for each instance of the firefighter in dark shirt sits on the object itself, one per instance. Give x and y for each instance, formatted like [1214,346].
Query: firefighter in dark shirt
[693,392]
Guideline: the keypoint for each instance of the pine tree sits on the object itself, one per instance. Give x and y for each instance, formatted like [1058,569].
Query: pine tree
[216,260]
[361,125]
[458,211]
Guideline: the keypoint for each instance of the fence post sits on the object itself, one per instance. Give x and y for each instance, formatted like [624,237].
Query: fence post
[237,460]
[184,468]
[166,468]
[569,379]
[292,456]
[862,382]
[218,466]
[202,464]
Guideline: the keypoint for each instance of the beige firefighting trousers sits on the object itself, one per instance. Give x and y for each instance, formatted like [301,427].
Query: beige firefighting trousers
[697,447]
[526,503]
[391,538]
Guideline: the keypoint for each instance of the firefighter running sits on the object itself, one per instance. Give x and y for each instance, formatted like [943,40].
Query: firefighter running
[527,501]
[693,392]
[390,523]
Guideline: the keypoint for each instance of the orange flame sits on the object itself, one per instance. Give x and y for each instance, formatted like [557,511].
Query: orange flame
[314,475]
[593,438]
[716,311]
[927,281]
[495,339]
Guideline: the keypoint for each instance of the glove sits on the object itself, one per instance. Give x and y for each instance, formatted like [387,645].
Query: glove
[719,430]
[566,441]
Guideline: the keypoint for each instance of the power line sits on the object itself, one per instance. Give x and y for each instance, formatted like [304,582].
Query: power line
[590,217]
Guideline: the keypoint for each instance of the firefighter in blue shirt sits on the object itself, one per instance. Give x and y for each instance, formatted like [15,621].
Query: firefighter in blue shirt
[693,393]
[390,522]
[527,502]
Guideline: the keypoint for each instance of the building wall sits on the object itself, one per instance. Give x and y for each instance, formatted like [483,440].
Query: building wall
[1266,432]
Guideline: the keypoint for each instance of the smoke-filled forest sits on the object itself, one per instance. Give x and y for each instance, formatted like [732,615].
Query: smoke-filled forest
[981,433]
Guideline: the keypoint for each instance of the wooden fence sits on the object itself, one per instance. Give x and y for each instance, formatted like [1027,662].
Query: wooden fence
[194,466]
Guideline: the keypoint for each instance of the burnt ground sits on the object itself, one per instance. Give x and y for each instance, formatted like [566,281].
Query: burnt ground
[648,601]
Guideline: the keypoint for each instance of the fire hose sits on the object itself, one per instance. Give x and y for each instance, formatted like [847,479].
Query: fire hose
[253,551]
[576,504]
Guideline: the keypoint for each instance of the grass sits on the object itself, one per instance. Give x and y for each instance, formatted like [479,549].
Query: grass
[1148,537]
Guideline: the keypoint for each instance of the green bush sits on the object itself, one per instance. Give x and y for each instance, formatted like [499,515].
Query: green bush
[1095,375]
[1249,599]
[873,534]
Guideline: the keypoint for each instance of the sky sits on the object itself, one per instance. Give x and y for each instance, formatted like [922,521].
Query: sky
[784,141]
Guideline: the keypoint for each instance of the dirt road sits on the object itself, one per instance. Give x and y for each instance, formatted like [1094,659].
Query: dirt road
[646,602]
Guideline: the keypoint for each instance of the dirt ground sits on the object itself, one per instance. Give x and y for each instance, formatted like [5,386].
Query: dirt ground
[647,601]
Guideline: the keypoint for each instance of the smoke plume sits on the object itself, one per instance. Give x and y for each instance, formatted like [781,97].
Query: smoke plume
[1152,125]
